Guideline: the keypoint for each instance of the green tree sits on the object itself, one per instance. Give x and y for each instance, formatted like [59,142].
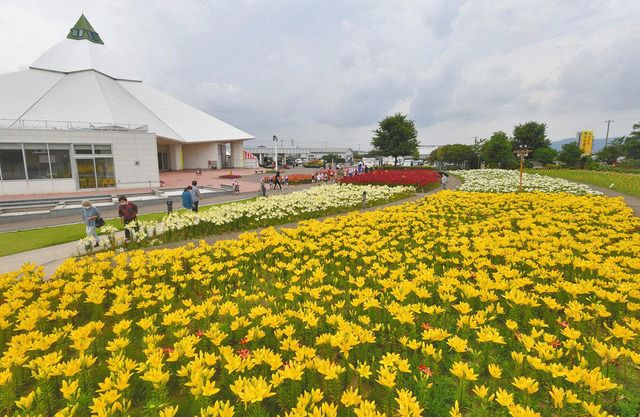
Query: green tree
[498,151]
[532,135]
[459,154]
[544,155]
[610,153]
[396,136]
[570,154]
[631,143]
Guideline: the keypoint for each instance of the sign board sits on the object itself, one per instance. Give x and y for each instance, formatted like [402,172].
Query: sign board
[585,141]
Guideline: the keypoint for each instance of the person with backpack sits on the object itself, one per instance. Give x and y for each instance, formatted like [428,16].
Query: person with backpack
[128,212]
[90,216]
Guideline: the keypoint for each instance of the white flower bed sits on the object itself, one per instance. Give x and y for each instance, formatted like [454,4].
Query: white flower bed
[313,200]
[321,199]
[506,181]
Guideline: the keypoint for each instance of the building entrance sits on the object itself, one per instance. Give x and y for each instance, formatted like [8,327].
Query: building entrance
[163,161]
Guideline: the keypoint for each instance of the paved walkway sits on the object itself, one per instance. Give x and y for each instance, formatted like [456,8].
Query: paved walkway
[633,202]
[51,257]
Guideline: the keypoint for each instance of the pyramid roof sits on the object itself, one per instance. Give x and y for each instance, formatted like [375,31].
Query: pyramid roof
[81,80]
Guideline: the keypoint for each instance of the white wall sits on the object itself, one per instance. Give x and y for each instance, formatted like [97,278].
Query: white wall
[16,187]
[127,149]
[198,155]
[135,159]
[176,157]
[237,154]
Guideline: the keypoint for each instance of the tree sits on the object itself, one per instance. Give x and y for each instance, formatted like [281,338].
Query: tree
[532,135]
[498,151]
[570,155]
[610,153]
[544,155]
[457,153]
[396,136]
[631,144]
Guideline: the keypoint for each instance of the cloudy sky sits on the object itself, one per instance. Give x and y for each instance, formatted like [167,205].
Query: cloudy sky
[319,71]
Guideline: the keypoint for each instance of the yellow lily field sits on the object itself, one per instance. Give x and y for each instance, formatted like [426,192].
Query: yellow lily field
[461,304]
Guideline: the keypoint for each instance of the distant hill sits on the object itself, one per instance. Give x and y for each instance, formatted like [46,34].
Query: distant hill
[598,144]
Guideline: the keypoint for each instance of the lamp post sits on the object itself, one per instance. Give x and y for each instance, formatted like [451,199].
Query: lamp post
[521,152]
[275,144]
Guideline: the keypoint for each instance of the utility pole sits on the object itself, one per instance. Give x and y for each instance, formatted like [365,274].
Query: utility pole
[606,139]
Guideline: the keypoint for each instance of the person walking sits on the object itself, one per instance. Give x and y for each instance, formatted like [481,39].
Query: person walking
[89,215]
[444,179]
[277,182]
[263,188]
[195,195]
[128,212]
[187,200]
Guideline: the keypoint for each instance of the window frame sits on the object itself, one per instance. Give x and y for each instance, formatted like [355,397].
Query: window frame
[26,166]
[20,147]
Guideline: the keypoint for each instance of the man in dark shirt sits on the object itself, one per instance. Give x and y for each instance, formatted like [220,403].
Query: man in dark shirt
[128,212]
[277,182]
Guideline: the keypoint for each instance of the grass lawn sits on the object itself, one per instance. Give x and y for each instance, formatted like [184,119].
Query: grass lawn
[625,183]
[24,240]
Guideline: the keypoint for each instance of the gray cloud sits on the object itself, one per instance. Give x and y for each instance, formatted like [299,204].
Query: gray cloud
[327,71]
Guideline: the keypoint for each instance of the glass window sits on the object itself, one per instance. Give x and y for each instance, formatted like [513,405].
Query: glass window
[11,162]
[86,173]
[60,160]
[37,161]
[82,149]
[105,172]
[102,149]
[80,32]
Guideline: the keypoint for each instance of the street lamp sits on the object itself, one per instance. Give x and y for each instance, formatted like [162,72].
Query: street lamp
[275,144]
[521,152]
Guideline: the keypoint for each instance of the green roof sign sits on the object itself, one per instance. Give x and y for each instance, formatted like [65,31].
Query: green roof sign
[83,30]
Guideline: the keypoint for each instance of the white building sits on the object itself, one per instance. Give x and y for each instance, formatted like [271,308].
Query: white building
[79,119]
[319,153]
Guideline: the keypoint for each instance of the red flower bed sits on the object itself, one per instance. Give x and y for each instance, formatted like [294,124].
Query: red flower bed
[420,178]
[293,178]
[300,178]
[230,176]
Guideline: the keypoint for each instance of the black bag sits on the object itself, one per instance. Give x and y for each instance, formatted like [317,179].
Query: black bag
[99,222]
